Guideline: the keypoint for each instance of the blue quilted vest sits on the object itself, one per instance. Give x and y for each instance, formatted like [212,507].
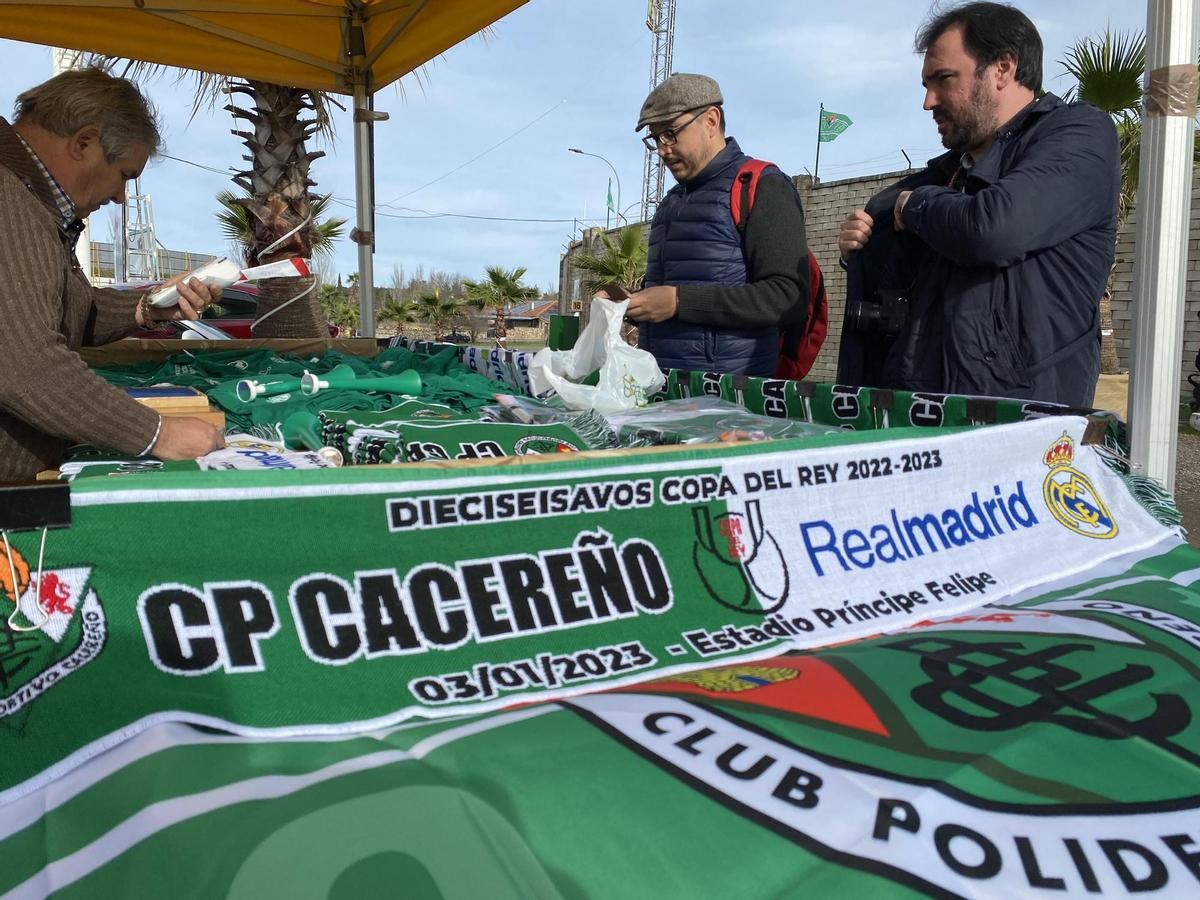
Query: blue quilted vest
[693,241]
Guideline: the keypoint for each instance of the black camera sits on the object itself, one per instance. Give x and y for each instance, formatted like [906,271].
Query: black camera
[884,313]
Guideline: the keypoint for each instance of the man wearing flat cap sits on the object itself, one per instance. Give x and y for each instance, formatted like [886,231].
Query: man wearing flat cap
[716,298]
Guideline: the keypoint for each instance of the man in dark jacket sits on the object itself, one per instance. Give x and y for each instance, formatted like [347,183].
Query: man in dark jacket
[714,300]
[1000,250]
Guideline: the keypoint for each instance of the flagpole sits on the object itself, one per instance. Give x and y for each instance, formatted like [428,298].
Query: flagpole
[817,165]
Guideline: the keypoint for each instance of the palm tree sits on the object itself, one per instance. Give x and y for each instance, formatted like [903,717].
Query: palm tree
[329,300]
[623,261]
[279,208]
[499,290]
[1109,71]
[237,227]
[397,312]
[280,120]
[435,311]
[340,308]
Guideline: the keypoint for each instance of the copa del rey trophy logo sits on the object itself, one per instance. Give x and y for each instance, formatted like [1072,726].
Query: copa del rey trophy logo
[49,628]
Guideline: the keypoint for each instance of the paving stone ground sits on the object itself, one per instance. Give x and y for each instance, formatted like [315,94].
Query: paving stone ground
[1187,483]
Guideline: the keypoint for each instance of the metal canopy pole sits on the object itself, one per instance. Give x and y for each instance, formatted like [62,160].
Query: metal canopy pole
[365,118]
[364,233]
[1164,207]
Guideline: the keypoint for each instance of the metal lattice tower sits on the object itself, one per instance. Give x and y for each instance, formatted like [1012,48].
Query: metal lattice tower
[660,19]
[141,247]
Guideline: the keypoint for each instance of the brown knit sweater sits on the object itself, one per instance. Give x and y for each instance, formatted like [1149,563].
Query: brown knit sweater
[48,396]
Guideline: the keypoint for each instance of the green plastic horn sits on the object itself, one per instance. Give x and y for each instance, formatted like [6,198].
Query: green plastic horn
[248,388]
[340,377]
[344,378]
[302,431]
[406,382]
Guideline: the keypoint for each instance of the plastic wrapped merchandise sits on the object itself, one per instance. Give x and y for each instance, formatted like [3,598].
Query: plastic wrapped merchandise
[524,410]
[247,452]
[486,440]
[704,420]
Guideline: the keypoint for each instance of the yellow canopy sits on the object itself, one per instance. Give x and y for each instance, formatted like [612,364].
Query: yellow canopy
[350,47]
[328,45]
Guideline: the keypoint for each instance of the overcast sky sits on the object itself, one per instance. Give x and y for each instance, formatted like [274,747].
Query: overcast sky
[573,73]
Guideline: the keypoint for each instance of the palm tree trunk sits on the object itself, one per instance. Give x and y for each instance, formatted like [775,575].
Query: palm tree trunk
[279,202]
[300,319]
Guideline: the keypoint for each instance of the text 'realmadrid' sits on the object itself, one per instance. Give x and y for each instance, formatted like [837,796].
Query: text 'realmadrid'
[901,537]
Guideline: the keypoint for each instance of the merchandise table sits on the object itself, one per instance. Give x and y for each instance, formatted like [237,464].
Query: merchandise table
[899,659]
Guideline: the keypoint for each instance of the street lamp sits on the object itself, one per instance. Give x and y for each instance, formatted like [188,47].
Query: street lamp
[625,211]
[615,175]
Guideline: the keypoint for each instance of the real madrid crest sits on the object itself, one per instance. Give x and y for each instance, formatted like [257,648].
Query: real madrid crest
[1070,496]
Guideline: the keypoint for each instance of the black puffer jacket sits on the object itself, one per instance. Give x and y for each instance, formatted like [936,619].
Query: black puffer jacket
[693,241]
[1015,262]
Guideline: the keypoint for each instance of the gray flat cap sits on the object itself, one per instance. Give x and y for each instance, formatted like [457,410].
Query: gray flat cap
[676,95]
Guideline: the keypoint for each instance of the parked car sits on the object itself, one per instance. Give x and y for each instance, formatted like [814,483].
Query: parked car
[456,337]
[232,315]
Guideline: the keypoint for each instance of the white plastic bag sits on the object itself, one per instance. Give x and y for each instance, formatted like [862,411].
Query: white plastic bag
[627,375]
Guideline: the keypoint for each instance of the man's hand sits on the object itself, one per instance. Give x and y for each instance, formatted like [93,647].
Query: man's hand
[194,298]
[182,437]
[856,231]
[655,304]
[899,210]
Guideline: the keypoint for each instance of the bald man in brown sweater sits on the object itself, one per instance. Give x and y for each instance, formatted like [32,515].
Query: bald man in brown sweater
[76,140]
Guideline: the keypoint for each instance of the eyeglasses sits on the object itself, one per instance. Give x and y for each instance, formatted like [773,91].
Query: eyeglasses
[669,136]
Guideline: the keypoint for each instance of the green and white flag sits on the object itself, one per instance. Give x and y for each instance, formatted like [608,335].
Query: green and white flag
[300,603]
[918,661]
[1043,749]
[832,124]
[610,197]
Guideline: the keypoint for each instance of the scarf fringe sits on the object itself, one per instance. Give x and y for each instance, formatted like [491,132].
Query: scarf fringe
[1152,496]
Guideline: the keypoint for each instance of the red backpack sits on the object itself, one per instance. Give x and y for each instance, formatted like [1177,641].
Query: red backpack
[798,344]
